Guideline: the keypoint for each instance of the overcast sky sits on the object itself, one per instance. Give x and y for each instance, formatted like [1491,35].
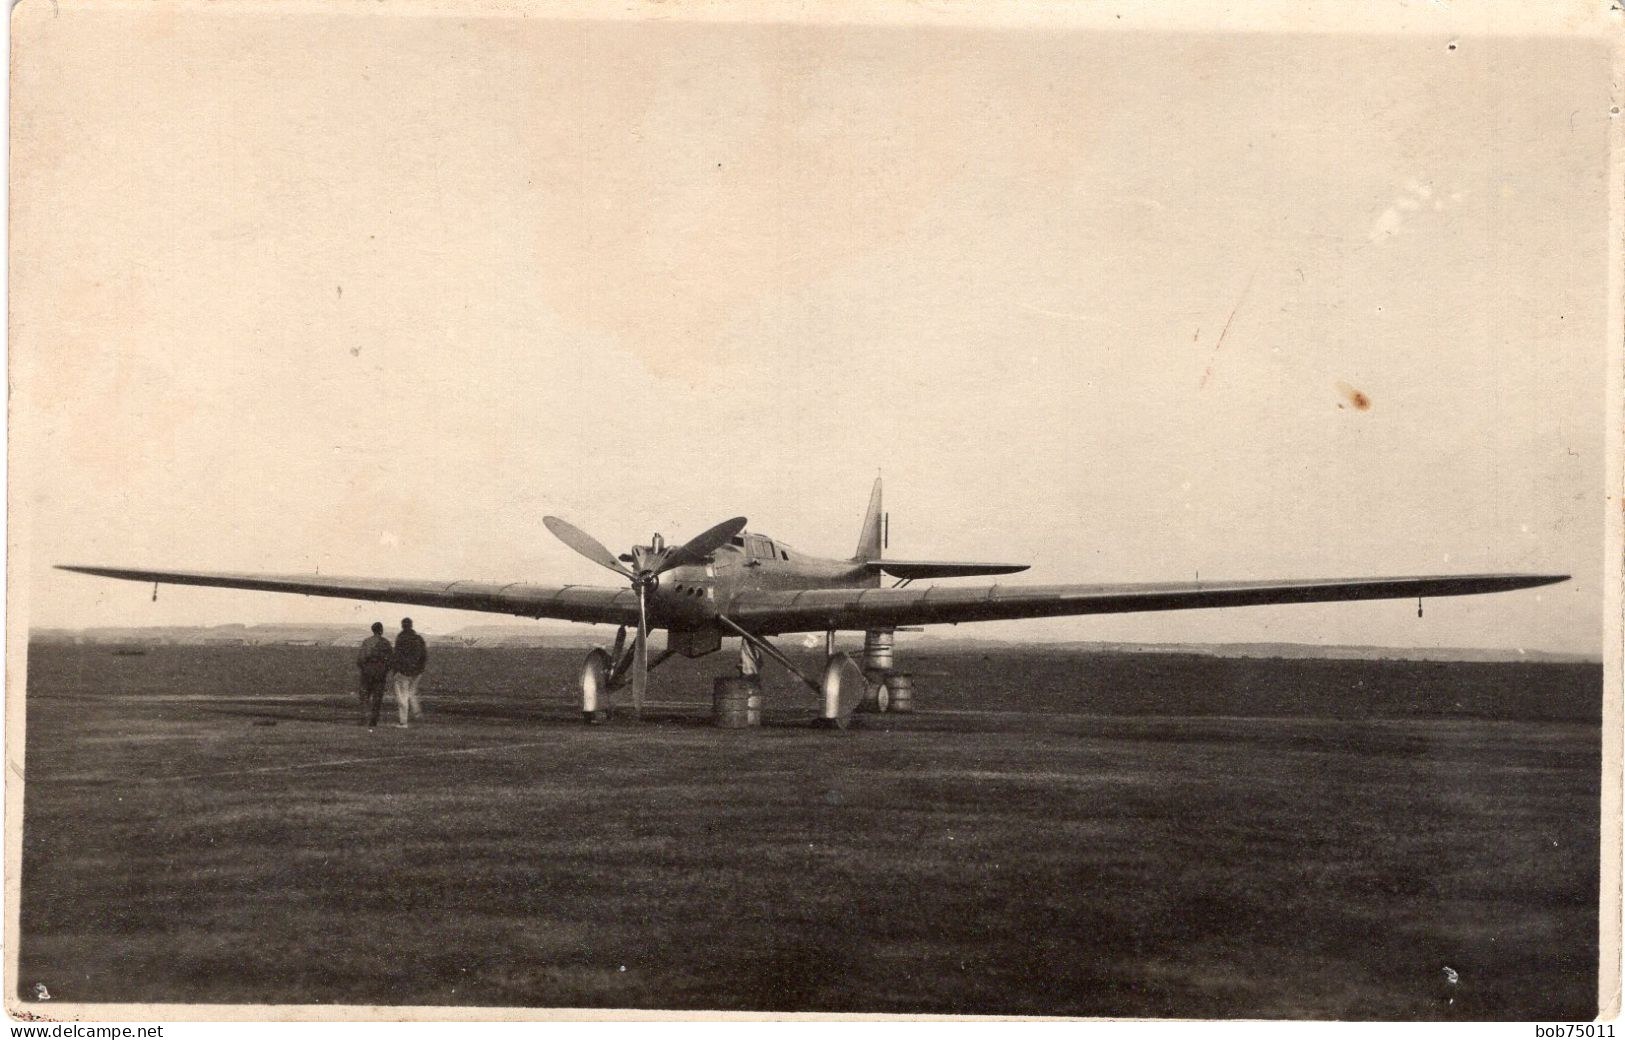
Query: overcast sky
[371,295]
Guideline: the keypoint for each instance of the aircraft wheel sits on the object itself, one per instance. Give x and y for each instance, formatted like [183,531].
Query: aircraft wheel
[595,687]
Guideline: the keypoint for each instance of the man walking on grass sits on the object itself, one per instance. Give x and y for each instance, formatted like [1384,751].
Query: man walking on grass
[374,664]
[411,657]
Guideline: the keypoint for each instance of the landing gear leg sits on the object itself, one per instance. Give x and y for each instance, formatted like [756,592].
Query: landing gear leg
[750,659]
[833,708]
[605,671]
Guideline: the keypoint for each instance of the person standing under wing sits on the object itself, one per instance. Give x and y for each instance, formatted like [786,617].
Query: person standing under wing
[410,659]
[373,661]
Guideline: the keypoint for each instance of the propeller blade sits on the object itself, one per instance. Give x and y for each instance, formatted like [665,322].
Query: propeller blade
[696,549]
[640,662]
[585,544]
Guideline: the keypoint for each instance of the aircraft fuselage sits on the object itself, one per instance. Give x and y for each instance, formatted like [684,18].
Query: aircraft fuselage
[691,597]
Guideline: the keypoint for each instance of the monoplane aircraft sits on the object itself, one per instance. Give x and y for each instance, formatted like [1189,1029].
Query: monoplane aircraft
[730,582]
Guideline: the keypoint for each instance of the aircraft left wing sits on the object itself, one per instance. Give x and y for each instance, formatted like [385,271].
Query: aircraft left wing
[771,612]
[566,602]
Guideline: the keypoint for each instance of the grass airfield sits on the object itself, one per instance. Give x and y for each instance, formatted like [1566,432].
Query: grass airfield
[1062,833]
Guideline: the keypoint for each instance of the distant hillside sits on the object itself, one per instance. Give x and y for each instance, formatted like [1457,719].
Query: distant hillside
[583,636]
[1272,650]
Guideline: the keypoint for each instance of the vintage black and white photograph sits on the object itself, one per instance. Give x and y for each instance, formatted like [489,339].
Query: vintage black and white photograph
[1000,510]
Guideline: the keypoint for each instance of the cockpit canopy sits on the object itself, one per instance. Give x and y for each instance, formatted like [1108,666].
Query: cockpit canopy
[760,547]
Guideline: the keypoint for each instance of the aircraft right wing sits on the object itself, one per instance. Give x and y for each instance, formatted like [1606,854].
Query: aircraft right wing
[770,612]
[586,603]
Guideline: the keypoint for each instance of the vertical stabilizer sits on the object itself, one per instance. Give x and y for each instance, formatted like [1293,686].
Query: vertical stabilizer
[869,537]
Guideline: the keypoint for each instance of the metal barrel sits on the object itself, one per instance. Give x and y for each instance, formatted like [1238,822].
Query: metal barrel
[901,691]
[877,650]
[736,702]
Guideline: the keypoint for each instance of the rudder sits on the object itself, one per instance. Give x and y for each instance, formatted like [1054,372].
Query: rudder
[869,537]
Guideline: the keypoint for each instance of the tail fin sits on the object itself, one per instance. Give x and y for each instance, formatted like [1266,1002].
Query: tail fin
[869,537]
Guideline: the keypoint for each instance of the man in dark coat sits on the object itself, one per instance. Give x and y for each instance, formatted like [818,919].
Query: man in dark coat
[411,657]
[373,660]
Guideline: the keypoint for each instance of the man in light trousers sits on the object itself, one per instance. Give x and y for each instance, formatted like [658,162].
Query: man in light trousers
[410,659]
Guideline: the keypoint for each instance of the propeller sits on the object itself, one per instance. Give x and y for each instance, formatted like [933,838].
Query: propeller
[648,563]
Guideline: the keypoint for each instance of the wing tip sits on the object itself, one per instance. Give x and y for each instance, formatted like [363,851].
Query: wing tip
[1511,582]
[122,573]
[1550,579]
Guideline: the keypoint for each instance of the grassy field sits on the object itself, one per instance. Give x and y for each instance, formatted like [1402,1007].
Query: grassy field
[1056,834]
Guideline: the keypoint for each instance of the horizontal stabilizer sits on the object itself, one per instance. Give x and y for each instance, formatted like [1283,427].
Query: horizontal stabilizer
[940,568]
